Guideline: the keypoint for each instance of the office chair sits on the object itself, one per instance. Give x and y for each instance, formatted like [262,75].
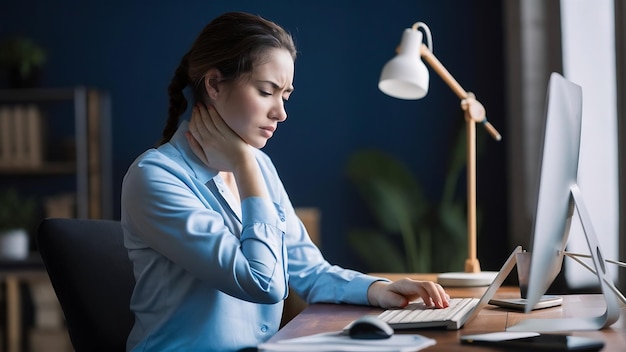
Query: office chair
[93,279]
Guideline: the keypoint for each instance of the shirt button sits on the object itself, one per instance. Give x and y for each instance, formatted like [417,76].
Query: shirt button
[264,328]
[282,218]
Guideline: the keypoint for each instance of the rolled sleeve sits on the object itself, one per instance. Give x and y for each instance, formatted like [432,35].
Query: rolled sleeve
[263,244]
[257,210]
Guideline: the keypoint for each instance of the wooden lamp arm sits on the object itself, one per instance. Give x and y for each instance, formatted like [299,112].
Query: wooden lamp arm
[473,107]
[438,67]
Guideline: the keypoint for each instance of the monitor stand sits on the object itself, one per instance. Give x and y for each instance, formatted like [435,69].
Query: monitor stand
[612,313]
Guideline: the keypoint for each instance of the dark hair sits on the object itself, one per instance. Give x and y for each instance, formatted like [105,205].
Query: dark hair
[232,43]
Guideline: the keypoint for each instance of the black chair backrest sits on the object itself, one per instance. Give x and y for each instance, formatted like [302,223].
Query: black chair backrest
[93,279]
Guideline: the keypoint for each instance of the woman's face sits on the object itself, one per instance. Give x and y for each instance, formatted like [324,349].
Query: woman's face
[253,106]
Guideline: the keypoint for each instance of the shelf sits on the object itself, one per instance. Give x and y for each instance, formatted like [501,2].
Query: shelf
[37,95]
[91,164]
[48,168]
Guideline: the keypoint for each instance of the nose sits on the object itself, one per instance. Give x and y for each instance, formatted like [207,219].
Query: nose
[279,113]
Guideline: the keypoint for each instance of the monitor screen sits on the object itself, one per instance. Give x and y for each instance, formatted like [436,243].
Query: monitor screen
[557,174]
[558,197]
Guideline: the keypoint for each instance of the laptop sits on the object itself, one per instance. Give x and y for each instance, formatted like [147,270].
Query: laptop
[461,310]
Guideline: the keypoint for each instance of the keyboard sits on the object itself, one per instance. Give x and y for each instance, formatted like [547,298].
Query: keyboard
[418,315]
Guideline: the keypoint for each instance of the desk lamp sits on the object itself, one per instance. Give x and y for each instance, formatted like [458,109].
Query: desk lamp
[406,77]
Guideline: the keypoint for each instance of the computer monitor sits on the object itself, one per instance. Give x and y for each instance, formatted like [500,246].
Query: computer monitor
[557,198]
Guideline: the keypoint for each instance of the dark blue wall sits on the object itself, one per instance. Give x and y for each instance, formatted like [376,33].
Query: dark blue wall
[131,49]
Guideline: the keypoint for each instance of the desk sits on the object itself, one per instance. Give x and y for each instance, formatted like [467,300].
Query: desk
[318,318]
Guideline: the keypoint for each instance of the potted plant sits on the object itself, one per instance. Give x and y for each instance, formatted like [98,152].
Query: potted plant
[23,60]
[16,218]
[411,233]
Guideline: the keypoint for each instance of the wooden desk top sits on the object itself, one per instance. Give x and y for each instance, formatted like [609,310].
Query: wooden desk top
[318,318]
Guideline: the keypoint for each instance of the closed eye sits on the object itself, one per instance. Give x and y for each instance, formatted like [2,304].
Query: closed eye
[267,94]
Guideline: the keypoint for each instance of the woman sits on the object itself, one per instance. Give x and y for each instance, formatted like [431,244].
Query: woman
[209,228]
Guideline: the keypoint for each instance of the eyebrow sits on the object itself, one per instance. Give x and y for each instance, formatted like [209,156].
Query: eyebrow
[276,86]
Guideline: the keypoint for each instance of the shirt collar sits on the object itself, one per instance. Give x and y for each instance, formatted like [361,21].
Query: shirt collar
[178,149]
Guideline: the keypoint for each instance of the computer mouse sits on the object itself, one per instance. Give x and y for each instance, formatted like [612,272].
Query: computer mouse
[369,327]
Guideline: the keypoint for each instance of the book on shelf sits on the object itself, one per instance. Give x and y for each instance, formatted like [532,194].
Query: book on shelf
[60,205]
[34,136]
[6,135]
[20,144]
[21,136]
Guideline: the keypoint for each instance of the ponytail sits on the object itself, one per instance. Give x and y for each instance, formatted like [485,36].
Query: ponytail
[178,102]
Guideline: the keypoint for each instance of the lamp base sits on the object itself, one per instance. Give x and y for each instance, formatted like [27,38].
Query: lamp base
[461,279]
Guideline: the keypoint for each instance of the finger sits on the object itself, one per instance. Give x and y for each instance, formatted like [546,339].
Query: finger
[218,122]
[426,296]
[401,292]
[205,130]
[431,293]
[444,296]
[205,119]
[194,125]
[436,294]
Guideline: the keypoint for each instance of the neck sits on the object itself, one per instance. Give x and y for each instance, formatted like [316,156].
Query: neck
[230,181]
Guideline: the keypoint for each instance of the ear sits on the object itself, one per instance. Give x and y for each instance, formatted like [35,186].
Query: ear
[211,82]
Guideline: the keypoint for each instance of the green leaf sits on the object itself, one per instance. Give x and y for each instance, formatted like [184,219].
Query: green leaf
[16,212]
[376,250]
[22,54]
[456,163]
[388,188]
[392,194]
[452,230]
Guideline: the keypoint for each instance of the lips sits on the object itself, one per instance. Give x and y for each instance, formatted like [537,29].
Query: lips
[268,131]
[269,128]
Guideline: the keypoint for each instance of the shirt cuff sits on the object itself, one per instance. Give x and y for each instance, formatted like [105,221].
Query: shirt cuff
[258,210]
[361,284]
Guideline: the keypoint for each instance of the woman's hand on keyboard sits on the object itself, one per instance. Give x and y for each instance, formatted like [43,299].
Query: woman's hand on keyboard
[399,293]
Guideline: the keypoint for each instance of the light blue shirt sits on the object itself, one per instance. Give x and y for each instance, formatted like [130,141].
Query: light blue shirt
[212,273]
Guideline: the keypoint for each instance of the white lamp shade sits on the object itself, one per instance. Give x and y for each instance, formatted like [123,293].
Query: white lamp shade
[406,76]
